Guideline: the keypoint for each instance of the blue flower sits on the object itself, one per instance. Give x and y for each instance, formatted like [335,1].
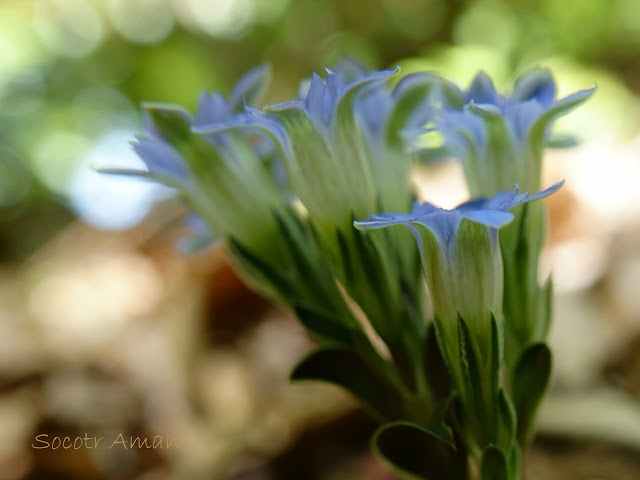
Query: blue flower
[343,150]
[461,255]
[500,139]
[220,175]
[342,142]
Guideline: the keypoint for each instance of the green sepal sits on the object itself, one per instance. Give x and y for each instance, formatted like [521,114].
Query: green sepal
[506,164]
[493,465]
[437,373]
[363,274]
[142,174]
[547,306]
[302,280]
[316,168]
[414,451]
[507,422]
[530,383]
[497,351]
[478,409]
[173,123]
[348,369]
[472,374]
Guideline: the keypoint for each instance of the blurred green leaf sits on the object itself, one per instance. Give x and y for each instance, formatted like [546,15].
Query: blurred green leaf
[494,465]
[347,368]
[414,451]
[530,382]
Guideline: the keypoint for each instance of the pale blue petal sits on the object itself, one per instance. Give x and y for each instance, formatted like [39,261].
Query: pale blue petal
[443,224]
[249,88]
[315,96]
[161,159]
[507,200]
[422,209]
[490,218]
[537,84]
[483,91]
[522,115]
[350,70]
[211,108]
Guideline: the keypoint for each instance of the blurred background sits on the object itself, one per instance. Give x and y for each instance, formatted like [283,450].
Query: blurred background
[106,329]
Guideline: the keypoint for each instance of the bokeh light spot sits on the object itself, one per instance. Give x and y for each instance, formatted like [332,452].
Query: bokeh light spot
[71,28]
[141,21]
[111,202]
[487,23]
[218,18]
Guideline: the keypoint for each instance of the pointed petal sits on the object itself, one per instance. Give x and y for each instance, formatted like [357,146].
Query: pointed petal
[314,99]
[211,108]
[350,70]
[482,90]
[558,109]
[537,84]
[161,159]
[250,88]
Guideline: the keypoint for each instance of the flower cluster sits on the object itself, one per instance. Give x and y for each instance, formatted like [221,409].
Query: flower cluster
[284,186]
[499,139]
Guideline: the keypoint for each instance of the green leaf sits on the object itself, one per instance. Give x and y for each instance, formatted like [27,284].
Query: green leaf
[530,383]
[413,451]
[347,369]
[494,465]
[327,328]
[259,274]
[438,425]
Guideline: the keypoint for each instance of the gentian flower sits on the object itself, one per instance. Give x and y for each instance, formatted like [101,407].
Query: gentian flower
[499,139]
[226,177]
[343,150]
[220,176]
[461,258]
[462,265]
